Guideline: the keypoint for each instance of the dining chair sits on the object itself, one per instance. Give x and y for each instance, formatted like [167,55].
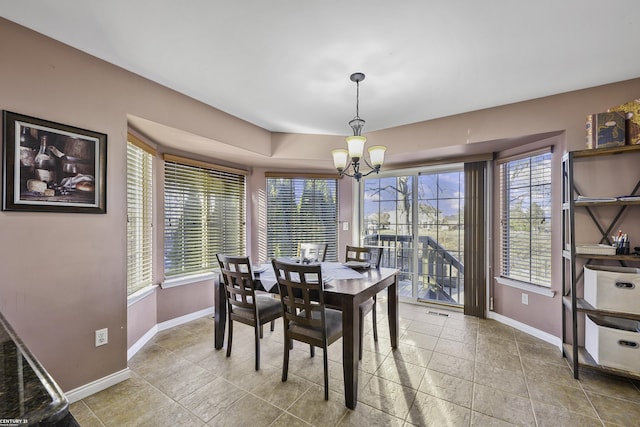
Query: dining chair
[244,305]
[373,256]
[316,251]
[305,316]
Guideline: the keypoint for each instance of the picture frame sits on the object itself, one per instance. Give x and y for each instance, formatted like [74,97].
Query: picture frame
[52,167]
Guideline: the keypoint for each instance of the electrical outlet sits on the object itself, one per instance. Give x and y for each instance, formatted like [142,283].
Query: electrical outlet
[102,337]
[345,226]
[525,299]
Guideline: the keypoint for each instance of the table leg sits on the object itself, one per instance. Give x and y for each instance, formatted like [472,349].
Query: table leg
[392,298]
[350,345]
[220,315]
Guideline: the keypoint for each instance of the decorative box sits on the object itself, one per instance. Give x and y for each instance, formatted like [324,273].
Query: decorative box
[631,110]
[612,288]
[613,342]
[605,130]
[595,249]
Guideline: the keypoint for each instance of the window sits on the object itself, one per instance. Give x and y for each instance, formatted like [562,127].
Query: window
[204,214]
[301,210]
[417,216]
[525,222]
[139,215]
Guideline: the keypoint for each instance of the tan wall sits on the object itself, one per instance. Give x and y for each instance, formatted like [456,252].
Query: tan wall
[63,275]
[175,302]
[142,316]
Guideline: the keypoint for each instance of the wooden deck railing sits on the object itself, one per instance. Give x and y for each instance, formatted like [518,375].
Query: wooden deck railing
[437,267]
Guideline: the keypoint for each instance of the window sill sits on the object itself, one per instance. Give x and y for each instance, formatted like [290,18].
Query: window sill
[534,289]
[140,294]
[187,280]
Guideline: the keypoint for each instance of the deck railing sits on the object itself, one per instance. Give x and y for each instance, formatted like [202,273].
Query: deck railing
[439,271]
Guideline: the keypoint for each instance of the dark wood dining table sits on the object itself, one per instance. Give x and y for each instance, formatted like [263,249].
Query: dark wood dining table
[347,294]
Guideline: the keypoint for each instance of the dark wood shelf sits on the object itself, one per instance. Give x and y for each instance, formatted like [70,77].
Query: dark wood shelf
[573,263]
[586,361]
[610,257]
[567,254]
[583,306]
[587,203]
[604,151]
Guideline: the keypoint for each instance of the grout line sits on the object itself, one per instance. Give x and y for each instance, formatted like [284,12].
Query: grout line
[526,383]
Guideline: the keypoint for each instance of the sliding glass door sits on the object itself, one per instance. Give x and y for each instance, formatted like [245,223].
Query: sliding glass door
[418,217]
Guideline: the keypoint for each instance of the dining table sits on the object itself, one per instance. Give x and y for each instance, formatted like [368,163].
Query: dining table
[345,288]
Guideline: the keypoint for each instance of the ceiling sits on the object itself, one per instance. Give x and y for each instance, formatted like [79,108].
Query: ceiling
[284,65]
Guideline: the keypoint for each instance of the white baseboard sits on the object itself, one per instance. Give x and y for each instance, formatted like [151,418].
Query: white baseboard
[103,383]
[166,325]
[184,319]
[141,342]
[544,336]
[97,385]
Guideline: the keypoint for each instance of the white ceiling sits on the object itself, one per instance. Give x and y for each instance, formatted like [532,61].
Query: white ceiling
[284,65]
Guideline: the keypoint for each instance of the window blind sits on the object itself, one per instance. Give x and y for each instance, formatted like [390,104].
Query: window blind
[139,218]
[525,188]
[204,214]
[301,210]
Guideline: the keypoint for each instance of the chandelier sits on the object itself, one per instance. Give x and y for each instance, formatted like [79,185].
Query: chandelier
[343,160]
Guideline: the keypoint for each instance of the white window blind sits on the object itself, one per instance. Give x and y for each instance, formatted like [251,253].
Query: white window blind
[301,210]
[204,214]
[526,219]
[139,218]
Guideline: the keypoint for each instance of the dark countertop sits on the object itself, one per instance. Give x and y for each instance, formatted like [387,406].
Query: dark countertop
[28,394]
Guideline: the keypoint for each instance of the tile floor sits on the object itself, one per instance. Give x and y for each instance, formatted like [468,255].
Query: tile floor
[449,370]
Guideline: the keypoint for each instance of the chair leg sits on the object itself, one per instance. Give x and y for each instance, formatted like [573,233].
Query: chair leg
[273,325]
[258,335]
[312,350]
[326,373]
[229,337]
[285,362]
[375,318]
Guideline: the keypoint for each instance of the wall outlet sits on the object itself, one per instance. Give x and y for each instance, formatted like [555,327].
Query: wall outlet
[102,337]
[345,226]
[525,299]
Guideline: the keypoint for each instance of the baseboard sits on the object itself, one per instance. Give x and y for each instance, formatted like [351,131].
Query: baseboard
[141,342]
[98,385]
[166,325]
[185,319]
[103,383]
[544,336]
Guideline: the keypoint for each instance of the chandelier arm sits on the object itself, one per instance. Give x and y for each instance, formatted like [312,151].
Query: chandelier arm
[376,170]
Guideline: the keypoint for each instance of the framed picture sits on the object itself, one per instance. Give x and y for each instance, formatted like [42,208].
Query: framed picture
[51,167]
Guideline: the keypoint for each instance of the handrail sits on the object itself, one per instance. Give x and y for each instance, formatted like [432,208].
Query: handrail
[437,258]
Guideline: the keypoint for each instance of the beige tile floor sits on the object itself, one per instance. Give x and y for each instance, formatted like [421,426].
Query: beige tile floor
[449,370]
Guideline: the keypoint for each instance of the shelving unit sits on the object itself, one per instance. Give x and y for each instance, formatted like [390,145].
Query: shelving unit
[573,263]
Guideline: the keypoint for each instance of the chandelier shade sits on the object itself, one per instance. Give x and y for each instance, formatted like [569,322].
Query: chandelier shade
[344,160]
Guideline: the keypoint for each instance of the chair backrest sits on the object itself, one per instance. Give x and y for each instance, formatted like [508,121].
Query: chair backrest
[370,254]
[300,288]
[238,281]
[317,251]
